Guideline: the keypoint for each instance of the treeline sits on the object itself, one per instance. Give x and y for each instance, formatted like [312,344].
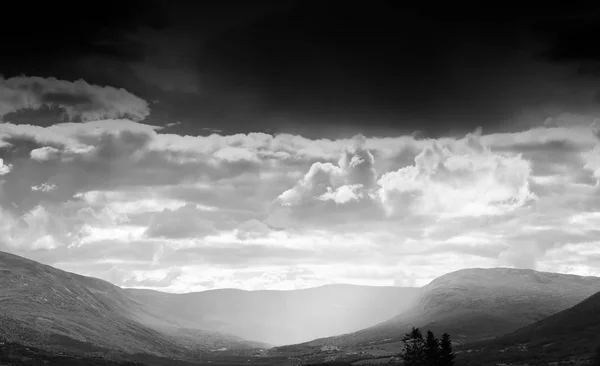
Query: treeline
[428,351]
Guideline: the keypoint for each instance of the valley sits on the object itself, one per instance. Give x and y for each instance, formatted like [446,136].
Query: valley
[493,315]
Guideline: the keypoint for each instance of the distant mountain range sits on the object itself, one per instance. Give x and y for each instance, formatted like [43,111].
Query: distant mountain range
[501,313]
[281,317]
[41,305]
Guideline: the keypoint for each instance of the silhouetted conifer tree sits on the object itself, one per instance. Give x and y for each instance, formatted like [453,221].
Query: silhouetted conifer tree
[446,354]
[432,349]
[414,348]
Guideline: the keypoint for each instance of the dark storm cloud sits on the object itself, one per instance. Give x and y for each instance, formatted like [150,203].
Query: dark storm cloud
[311,67]
[571,38]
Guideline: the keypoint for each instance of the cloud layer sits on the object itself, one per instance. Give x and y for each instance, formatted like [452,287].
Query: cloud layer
[133,204]
[77,99]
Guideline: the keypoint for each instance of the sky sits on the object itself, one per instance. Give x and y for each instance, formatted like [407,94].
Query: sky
[285,145]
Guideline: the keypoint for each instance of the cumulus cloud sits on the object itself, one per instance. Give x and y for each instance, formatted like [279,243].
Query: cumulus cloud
[465,180]
[353,175]
[4,168]
[78,99]
[332,190]
[125,195]
[37,229]
[44,153]
[448,178]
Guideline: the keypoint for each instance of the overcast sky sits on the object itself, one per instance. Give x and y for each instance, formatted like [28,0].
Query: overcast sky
[294,144]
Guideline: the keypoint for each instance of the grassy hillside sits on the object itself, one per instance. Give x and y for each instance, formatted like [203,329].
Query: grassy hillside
[280,317]
[574,332]
[20,355]
[472,305]
[544,316]
[41,305]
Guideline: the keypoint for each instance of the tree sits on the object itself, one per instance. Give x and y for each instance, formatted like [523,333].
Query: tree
[432,351]
[414,348]
[446,354]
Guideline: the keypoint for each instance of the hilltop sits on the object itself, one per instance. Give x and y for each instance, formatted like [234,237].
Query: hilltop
[43,306]
[57,310]
[472,305]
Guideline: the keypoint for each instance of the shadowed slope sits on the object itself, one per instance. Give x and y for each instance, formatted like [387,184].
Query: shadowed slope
[475,304]
[41,305]
[570,333]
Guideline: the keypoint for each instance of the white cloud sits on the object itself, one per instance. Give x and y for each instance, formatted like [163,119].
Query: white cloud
[127,202]
[343,194]
[586,220]
[328,192]
[44,187]
[4,168]
[78,99]
[354,170]
[592,159]
[466,180]
[44,153]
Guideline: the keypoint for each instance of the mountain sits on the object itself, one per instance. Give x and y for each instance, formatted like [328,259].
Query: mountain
[281,317]
[43,306]
[473,305]
[574,332]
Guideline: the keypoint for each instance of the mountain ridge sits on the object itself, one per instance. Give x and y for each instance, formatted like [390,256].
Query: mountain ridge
[573,331]
[210,313]
[51,307]
[42,305]
[280,317]
[233,289]
[474,304]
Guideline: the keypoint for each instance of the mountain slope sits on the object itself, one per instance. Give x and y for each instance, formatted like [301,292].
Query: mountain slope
[282,317]
[573,332]
[41,305]
[475,304]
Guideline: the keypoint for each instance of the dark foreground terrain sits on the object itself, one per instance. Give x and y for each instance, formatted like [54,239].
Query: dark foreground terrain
[18,354]
[15,354]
